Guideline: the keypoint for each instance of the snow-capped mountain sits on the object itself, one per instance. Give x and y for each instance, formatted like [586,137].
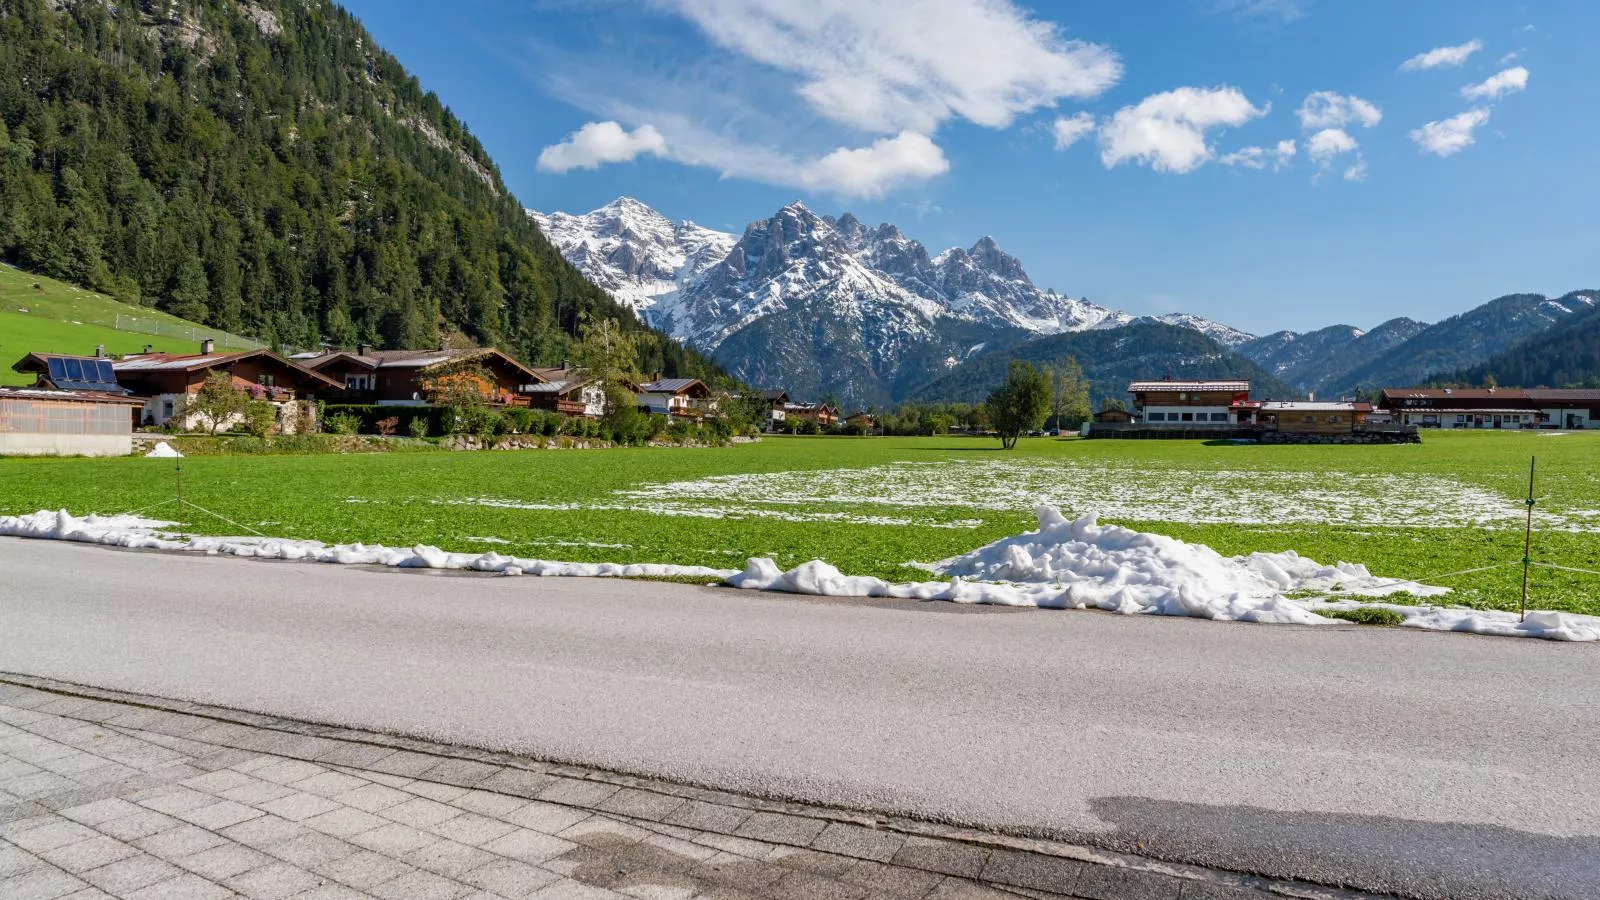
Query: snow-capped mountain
[823,304]
[633,252]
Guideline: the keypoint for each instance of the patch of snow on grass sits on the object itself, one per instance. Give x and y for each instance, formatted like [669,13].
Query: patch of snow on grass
[1126,493]
[163,450]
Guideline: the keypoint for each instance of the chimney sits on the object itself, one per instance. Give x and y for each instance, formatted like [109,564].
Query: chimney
[207,346]
[656,376]
[363,349]
[99,351]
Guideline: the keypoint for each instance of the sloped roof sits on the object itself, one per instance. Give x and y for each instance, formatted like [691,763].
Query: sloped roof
[671,385]
[1580,395]
[167,362]
[1457,393]
[69,396]
[1232,386]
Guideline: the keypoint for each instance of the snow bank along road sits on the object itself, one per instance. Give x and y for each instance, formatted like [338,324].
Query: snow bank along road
[1433,765]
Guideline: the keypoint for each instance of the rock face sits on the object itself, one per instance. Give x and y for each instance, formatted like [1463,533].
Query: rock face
[823,305]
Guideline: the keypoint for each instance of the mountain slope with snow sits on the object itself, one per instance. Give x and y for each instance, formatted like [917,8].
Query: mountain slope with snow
[868,308]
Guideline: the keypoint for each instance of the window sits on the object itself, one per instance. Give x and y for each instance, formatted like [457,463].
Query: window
[1308,419]
[1219,417]
[1333,419]
[264,379]
[1461,418]
[1157,417]
[1188,417]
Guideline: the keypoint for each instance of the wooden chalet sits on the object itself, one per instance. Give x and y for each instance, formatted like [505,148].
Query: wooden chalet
[687,398]
[168,379]
[820,413]
[776,401]
[420,377]
[568,391]
[1169,402]
[1314,417]
[1495,407]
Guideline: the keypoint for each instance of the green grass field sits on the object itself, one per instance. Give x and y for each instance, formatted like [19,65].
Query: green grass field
[60,318]
[871,505]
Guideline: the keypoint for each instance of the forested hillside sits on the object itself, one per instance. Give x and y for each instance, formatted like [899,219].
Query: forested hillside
[264,168]
[1111,358]
[1567,354]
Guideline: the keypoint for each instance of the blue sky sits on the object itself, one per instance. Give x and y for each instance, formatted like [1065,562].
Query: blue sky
[1444,153]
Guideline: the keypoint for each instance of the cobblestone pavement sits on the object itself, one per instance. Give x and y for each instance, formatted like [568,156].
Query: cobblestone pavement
[103,794]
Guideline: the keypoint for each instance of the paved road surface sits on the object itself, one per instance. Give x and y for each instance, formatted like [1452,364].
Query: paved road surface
[1433,765]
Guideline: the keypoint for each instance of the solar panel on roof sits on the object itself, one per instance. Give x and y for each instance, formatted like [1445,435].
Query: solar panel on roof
[70,374]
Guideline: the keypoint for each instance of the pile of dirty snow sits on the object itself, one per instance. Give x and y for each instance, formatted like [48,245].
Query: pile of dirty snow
[1065,564]
[163,450]
[149,534]
[1080,564]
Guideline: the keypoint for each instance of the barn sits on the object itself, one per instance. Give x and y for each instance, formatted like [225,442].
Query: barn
[52,422]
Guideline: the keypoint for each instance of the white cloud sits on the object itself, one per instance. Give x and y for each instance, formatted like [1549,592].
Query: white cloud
[911,65]
[1357,172]
[1509,57]
[1442,56]
[1260,157]
[1327,109]
[598,143]
[1497,85]
[1285,10]
[1069,131]
[871,171]
[1449,136]
[1323,146]
[1167,131]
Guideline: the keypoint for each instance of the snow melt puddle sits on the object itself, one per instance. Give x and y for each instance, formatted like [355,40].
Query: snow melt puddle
[1127,493]
[1065,564]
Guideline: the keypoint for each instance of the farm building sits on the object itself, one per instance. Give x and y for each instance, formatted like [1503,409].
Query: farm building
[1567,407]
[418,377]
[54,422]
[682,397]
[1493,407]
[1309,417]
[1188,403]
[567,391]
[168,380]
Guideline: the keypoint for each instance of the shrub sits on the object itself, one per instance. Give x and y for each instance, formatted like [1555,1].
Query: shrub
[259,418]
[522,421]
[389,426]
[341,423]
[1364,615]
[418,427]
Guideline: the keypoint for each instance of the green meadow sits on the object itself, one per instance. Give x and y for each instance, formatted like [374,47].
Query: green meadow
[872,505]
[57,317]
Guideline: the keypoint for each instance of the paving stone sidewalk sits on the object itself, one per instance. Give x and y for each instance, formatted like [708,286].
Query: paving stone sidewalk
[109,795]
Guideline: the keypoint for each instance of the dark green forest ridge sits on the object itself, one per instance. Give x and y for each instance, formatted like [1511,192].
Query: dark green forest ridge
[265,169]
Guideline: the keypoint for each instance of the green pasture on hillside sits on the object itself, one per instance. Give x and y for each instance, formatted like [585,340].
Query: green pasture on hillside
[871,505]
[59,318]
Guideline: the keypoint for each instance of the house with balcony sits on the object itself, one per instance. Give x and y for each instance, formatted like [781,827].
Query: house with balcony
[1172,403]
[423,377]
[684,398]
[568,391]
[169,380]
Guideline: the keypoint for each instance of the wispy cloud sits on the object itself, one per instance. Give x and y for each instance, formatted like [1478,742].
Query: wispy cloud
[1327,109]
[828,95]
[1167,131]
[1276,156]
[1279,10]
[1442,57]
[1497,85]
[1070,130]
[1447,137]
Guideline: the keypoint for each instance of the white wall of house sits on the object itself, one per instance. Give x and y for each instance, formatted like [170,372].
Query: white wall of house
[1560,417]
[1199,415]
[1427,419]
[163,409]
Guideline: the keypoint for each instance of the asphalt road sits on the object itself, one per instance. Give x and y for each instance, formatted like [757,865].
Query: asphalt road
[1433,765]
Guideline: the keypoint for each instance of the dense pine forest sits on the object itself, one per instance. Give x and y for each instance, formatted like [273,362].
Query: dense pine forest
[264,168]
[1564,355]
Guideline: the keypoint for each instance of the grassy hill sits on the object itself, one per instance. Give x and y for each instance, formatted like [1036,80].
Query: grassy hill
[57,317]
